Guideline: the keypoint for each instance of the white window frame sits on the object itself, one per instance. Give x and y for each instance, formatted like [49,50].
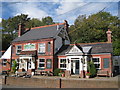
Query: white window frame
[5,62]
[98,62]
[43,48]
[30,64]
[18,49]
[62,63]
[41,63]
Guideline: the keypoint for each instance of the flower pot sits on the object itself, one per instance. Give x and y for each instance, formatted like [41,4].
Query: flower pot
[63,75]
[87,76]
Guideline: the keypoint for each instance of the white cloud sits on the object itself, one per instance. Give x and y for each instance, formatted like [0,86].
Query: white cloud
[66,6]
[29,8]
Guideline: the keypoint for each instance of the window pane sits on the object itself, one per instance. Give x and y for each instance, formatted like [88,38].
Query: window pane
[49,63]
[41,60]
[62,65]
[41,48]
[106,62]
[95,59]
[49,46]
[62,60]
[41,65]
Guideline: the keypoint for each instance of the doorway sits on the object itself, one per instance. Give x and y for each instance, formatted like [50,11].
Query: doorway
[74,66]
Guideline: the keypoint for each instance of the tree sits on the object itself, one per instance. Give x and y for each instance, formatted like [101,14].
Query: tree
[10,27]
[93,29]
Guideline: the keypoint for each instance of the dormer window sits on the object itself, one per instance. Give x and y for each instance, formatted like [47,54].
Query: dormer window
[18,49]
[41,48]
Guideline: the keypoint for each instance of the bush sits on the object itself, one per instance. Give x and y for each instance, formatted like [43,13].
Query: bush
[92,69]
[57,71]
[14,66]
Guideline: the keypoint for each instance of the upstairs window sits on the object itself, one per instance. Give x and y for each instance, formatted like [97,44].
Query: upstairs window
[41,48]
[63,63]
[18,49]
[49,47]
[4,62]
[96,62]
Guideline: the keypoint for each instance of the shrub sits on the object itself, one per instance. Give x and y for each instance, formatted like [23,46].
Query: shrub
[14,66]
[91,69]
[57,71]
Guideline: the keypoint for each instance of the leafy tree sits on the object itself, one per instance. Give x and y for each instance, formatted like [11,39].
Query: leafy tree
[10,27]
[47,21]
[93,29]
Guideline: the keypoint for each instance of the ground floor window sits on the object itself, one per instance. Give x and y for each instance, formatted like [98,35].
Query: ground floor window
[106,62]
[4,62]
[63,63]
[96,62]
[48,63]
[41,64]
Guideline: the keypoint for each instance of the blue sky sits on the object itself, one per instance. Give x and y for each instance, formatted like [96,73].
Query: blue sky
[59,10]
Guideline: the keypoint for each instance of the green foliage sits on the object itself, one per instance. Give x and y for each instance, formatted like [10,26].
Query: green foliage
[14,66]
[91,69]
[93,29]
[57,71]
[10,27]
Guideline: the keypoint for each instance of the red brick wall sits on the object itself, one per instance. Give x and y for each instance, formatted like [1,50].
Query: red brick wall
[102,56]
[7,67]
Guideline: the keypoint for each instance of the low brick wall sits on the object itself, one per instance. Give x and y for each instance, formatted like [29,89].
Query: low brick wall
[34,82]
[72,83]
[46,82]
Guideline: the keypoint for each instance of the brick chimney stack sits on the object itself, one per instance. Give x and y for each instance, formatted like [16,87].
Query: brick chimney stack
[20,29]
[109,36]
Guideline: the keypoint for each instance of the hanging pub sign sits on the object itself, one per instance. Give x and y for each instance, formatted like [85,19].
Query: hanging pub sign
[29,46]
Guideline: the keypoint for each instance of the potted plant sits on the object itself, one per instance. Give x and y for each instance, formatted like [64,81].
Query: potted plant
[88,75]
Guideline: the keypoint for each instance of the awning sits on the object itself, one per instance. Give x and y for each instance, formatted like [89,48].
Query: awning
[28,52]
[7,54]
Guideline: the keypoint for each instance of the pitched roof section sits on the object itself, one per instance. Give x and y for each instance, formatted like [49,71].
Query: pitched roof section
[42,32]
[96,48]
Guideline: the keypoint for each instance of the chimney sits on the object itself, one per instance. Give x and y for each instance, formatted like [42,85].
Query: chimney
[20,29]
[109,36]
[66,25]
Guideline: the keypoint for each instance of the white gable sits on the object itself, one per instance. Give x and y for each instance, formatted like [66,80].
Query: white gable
[75,49]
[7,54]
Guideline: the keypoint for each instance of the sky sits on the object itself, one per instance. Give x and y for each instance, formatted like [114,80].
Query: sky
[59,10]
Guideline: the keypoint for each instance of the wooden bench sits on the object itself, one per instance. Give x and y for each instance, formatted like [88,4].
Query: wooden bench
[21,73]
[42,72]
[102,73]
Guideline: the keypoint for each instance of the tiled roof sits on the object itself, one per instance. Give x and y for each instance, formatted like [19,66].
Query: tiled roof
[96,48]
[42,32]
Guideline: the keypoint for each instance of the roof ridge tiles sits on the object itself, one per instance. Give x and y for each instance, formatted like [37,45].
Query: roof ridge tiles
[90,43]
[46,26]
